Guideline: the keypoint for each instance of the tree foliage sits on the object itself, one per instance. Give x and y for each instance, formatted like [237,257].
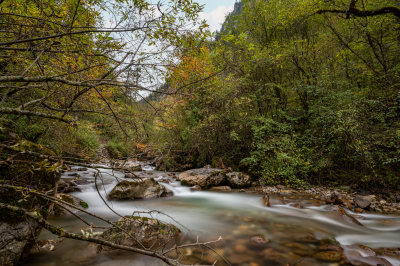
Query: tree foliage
[302,96]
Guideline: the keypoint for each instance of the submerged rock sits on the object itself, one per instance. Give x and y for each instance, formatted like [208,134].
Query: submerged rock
[238,180]
[140,189]
[77,202]
[331,256]
[347,217]
[221,188]
[143,232]
[203,177]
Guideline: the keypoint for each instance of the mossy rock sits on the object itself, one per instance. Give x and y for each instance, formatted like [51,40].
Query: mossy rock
[151,233]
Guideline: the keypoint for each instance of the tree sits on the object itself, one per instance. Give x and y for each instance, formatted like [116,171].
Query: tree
[69,65]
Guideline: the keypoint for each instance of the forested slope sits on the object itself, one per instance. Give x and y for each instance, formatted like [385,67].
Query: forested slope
[294,92]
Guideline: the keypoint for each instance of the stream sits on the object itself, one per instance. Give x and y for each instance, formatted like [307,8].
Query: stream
[252,234]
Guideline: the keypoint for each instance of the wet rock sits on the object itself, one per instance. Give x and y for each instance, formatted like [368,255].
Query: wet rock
[15,238]
[358,210]
[306,238]
[362,202]
[221,188]
[273,258]
[81,169]
[195,188]
[238,180]
[347,217]
[140,189]
[135,168]
[150,233]
[307,262]
[67,186]
[330,247]
[43,245]
[203,177]
[266,201]
[84,181]
[300,249]
[73,174]
[77,202]
[389,252]
[356,258]
[239,259]
[130,175]
[164,179]
[259,241]
[240,248]
[331,256]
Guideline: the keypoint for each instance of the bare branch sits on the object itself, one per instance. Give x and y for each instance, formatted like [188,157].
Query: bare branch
[5,110]
[69,34]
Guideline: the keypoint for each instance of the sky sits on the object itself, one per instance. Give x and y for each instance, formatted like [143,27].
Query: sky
[215,11]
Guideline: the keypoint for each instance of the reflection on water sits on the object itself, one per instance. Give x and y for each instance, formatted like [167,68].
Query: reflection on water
[251,233]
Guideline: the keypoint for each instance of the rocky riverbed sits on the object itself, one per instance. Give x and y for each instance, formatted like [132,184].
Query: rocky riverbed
[258,225]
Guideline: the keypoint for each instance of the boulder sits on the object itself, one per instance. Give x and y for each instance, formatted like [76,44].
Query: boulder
[15,239]
[238,180]
[203,177]
[67,186]
[147,232]
[140,189]
[363,201]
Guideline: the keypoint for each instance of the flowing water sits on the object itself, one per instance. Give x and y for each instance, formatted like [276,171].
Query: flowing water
[251,233]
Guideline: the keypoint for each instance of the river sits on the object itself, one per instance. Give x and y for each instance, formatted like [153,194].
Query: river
[289,235]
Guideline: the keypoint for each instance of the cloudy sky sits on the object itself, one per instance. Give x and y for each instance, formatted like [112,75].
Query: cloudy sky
[215,11]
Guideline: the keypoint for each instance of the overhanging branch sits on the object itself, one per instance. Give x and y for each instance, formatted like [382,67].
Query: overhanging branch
[363,13]
[11,111]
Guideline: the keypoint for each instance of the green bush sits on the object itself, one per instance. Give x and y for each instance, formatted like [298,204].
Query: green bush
[117,149]
[276,157]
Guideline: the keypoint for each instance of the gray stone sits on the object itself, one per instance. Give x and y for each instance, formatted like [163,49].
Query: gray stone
[238,180]
[139,189]
[203,177]
[362,202]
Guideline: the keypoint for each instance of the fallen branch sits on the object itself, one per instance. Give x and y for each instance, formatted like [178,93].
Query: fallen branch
[62,233]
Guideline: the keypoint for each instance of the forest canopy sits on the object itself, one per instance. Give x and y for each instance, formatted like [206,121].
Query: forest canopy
[306,92]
